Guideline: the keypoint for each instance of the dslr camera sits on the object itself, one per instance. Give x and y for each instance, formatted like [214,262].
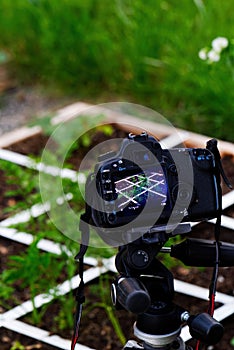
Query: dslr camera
[146,185]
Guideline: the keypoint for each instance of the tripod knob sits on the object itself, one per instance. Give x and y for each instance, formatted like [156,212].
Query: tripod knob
[205,328]
[131,294]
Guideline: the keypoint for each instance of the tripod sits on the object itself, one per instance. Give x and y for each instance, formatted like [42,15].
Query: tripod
[145,287]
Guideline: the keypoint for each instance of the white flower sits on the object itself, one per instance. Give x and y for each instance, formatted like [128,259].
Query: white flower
[203,54]
[213,56]
[219,43]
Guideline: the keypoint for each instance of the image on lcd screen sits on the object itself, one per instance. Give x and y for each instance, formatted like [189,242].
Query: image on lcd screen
[134,190]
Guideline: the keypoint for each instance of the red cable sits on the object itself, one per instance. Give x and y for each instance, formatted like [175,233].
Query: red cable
[74,341]
[197,345]
[212,305]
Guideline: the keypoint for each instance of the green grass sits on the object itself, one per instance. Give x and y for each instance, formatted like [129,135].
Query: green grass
[35,270]
[143,52]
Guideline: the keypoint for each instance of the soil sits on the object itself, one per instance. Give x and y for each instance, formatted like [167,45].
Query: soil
[9,339]
[96,329]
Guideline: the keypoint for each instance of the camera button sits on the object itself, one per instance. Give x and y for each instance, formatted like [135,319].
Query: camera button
[107,181]
[172,168]
[107,185]
[108,197]
[106,174]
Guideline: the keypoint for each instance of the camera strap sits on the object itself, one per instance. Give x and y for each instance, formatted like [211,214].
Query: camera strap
[219,172]
[212,145]
[80,295]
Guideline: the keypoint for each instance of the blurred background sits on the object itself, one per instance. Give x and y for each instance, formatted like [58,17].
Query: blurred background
[155,53]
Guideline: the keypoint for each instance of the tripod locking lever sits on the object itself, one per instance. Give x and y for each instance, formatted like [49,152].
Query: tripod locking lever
[201,252]
[203,327]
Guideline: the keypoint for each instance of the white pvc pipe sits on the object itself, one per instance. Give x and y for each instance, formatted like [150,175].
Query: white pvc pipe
[33,212]
[41,335]
[25,215]
[200,292]
[174,140]
[228,199]
[27,239]
[27,162]
[226,221]
[44,244]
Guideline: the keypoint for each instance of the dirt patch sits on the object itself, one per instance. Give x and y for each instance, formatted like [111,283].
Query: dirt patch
[17,341]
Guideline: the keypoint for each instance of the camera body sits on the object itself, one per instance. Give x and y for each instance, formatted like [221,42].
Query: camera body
[157,185]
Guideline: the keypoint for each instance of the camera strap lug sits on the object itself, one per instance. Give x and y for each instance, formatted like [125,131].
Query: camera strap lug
[212,145]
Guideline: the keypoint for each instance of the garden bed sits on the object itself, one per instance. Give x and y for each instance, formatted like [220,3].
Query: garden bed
[96,329]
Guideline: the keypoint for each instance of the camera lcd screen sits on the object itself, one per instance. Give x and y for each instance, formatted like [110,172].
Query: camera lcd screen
[134,190]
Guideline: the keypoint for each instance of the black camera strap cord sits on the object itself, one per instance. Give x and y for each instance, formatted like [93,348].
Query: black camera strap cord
[213,284]
[80,295]
[219,172]
[80,298]
[85,220]
[212,146]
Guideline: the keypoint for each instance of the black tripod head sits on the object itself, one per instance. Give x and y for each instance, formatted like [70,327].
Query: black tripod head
[145,287]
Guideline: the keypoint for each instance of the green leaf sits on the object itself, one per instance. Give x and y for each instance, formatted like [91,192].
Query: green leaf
[17,346]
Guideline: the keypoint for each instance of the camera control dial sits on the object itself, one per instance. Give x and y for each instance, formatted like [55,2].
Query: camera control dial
[140,258]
